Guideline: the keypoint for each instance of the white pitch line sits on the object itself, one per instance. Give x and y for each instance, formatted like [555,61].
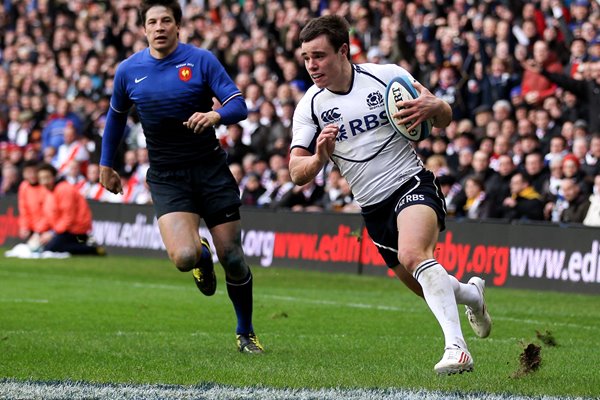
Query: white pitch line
[550,323]
[331,303]
[81,390]
[23,301]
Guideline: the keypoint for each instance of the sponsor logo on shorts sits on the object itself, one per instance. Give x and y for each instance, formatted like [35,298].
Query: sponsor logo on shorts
[411,198]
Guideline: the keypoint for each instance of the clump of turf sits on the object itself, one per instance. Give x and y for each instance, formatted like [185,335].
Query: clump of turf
[547,338]
[530,360]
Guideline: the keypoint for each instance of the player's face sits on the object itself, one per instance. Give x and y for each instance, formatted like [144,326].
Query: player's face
[161,31]
[325,65]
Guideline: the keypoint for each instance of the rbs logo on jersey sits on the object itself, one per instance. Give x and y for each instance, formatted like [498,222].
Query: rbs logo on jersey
[361,125]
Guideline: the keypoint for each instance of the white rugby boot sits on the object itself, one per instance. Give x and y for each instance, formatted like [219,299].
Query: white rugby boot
[454,361]
[480,319]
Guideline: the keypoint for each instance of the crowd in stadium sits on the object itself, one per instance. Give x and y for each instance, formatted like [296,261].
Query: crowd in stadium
[522,77]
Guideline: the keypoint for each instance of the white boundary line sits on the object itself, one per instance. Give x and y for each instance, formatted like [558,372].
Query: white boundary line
[80,390]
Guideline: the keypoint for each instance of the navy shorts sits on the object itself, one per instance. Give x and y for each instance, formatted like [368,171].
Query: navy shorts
[207,189]
[380,219]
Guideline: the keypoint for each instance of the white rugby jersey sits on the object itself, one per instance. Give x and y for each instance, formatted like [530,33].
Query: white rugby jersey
[374,159]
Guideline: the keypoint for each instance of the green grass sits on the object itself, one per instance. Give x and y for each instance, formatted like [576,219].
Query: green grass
[136,320]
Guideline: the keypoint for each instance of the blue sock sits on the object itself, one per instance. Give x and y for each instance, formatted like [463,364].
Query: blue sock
[240,294]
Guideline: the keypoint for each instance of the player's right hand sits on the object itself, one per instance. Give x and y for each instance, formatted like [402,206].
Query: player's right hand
[110,179]
[326,142]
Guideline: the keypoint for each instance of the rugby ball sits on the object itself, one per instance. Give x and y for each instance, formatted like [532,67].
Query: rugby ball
[402,89]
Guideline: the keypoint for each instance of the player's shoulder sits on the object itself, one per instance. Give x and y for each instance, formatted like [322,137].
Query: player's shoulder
[133,60]
[384,72]
[191,50]
[309,96]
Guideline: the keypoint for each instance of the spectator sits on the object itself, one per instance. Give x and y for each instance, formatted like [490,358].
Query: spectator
[537,172]
[502,80]
[18,128]
[501,147]
[53,133]
[252,191]
[30,200]
[283,184]
[270,130]
[502,110]
[238,174]
[482,170]
[579,203]
[557,204]
[234,146]
[450,87]
[73,174]
[344,202]
[571,169]
[10,180]
[557,149]
[465,160]
[72,149]
[130,164]
[524,202]
[68,215]
[591,161]
[585,89]
[592,218]
[476,205]
[450,189]
[545,129]
[497,194]
[307,197]
[92,189]
[535,86]
[556,176]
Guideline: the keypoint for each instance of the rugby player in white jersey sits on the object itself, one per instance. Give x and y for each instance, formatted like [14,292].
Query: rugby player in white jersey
[342,118]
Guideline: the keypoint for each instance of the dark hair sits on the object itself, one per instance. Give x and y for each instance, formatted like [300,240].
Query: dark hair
[48,167]
[30,164]
[334,27]
[172,5]
[477,181]
[524,177]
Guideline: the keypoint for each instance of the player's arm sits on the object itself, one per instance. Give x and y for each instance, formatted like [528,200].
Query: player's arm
[426,106]
[232,111]
[114,131]
[233,107]
[304,166]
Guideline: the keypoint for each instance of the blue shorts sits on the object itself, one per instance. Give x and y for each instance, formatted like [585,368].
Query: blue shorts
[208,189]
[380,219]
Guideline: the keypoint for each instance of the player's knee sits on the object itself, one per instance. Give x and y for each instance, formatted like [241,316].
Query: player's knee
[184,258]
[410,258]
[234,264]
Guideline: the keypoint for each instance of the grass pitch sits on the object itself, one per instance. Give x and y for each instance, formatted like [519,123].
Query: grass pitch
[120,320]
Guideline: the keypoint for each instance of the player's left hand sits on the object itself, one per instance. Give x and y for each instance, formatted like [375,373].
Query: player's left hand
[417,110]
[199,122]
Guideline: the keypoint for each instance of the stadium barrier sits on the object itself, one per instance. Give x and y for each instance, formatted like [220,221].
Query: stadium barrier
[516,255]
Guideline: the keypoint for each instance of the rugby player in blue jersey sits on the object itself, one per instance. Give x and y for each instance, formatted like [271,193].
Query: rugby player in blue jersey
[172,86]
[342,118]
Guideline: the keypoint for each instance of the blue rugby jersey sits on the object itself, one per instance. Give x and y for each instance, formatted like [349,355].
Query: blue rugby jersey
[166,92]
